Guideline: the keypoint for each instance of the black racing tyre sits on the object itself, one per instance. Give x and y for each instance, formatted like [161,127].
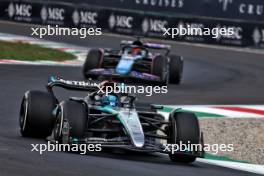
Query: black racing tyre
[36,119]
[184,128]
[76,115]
[175,69]
[159,68]
[92,61]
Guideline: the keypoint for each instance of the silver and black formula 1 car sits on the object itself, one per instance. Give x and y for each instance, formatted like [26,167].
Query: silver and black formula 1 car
[135,60]
[110,120]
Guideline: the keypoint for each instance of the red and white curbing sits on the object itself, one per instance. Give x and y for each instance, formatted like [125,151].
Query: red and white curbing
[228,111]
[79,52]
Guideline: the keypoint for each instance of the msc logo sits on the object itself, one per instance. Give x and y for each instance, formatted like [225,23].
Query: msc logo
[86,17]
[258,36]
[153,25]
[236,34]
[52,13]
[23,10]
[225,3]
[120,21]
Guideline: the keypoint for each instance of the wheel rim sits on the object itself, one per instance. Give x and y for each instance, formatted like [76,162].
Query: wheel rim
[57,131]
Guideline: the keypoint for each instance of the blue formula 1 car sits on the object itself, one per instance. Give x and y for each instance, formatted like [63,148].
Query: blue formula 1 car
[111,120]
[135,60]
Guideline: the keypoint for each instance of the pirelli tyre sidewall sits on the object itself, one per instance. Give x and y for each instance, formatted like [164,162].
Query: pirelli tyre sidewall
[160,68]
[36,119]
[184,128]
[93,60]
[175,69]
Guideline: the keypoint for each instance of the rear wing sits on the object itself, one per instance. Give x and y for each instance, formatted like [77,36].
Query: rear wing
[55,81]
[148,45]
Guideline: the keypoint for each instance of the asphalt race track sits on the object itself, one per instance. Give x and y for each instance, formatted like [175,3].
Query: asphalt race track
[211,76]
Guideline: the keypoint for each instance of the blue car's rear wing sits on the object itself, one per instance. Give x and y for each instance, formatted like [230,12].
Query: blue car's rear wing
[149,45]
[157,46]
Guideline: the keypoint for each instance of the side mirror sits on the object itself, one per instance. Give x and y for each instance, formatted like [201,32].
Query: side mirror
[155,107]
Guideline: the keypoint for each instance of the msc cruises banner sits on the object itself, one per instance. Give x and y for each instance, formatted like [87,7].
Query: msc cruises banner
[252,10]
[246,33]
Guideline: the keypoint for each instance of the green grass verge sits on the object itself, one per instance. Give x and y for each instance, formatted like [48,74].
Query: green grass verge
[29,52]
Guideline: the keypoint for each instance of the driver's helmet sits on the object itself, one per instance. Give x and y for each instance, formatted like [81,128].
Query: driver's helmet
[136,51]
[110,100]
[138,43]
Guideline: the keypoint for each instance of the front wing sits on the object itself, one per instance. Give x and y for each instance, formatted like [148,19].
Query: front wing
[124,144]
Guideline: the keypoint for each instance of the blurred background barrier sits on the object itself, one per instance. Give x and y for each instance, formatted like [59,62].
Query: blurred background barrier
[148,17]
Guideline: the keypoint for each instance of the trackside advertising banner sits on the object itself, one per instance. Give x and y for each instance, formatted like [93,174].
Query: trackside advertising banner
[252,10]
[246,34]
